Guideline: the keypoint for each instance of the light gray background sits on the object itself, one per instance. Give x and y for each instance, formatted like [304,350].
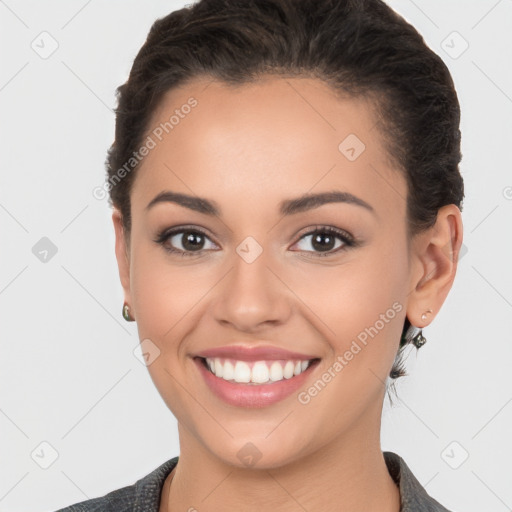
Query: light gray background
[69,376]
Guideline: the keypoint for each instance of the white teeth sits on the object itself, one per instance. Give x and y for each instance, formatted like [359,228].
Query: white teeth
[228,372]
[259,372]
[218,368]
[276,371]
[242,371]
[288,369]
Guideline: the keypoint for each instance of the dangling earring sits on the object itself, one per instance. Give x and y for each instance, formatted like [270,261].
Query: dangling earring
[126,313]
[419,340]
[414,334]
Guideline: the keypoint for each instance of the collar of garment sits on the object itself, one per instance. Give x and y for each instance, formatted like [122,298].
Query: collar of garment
[144,495]
[413,497]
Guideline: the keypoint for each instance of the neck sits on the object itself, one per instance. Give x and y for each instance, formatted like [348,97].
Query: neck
[349,474]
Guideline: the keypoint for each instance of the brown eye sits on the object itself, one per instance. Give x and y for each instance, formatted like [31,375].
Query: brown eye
[190,240]
[183,241]
[326,241]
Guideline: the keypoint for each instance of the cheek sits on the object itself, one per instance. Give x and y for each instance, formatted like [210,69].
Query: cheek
[375,309]
[360,300]
[166,294]
[167,303]
[359,309]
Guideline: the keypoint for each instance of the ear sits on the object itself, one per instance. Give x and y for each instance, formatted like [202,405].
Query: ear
[435,254]
[122,254]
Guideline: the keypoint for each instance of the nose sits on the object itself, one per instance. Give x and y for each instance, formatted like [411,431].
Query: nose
[252,296]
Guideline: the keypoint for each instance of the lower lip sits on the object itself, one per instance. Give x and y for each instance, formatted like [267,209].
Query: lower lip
[253,395]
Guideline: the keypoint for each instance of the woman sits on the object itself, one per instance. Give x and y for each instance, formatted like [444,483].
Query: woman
[287,204]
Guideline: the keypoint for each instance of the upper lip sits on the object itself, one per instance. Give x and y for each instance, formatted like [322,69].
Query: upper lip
[258,353]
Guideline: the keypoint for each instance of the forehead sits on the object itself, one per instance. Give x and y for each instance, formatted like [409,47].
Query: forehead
[273,138]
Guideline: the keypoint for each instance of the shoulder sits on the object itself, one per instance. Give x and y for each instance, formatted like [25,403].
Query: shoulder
[142,496]
[413,497]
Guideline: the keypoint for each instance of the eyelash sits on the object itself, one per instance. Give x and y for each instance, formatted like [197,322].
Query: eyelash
[345,237]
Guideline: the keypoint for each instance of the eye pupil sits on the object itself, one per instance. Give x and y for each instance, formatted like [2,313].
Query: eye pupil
[326,237]
[189,241]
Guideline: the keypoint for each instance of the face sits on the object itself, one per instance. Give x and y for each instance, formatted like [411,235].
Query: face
[329,279]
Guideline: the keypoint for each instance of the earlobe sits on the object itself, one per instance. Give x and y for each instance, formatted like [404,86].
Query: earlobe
[122,253]
[436,252]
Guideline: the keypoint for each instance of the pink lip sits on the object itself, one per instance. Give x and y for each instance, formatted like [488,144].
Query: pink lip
[260,353]
[252,395]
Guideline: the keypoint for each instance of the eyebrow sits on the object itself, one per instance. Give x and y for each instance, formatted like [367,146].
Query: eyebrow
[287,207]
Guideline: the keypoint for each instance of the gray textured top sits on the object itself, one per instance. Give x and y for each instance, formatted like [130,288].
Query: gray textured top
[144,495]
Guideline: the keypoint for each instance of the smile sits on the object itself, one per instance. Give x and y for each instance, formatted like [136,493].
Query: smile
[254,383]
[256,372]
